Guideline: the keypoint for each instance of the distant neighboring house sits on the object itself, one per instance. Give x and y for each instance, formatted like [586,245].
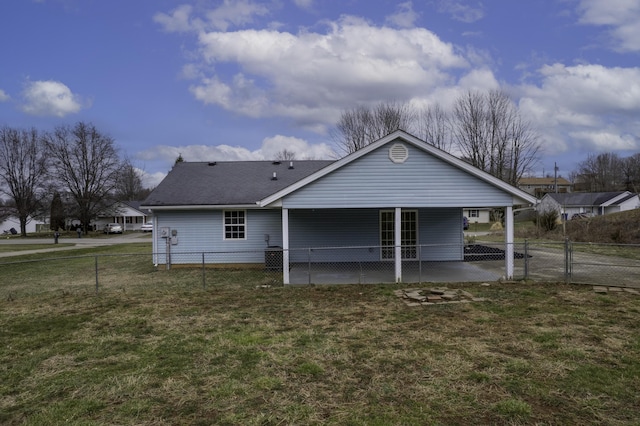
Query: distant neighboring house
[593,203]
[477,215]
[33,225]
[129,214]
[387,199]
[538,187]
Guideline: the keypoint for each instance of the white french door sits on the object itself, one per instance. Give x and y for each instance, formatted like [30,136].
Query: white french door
[408,234]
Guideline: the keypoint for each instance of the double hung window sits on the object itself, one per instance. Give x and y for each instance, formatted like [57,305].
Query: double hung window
[235,224]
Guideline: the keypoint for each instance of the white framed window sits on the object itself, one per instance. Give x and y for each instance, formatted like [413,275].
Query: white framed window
[235,224]
[474,213]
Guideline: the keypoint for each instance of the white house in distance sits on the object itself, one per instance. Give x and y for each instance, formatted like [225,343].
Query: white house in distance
[129,214]
[33,225]
[592,203]
[477,215]
[540,186]
[395,203]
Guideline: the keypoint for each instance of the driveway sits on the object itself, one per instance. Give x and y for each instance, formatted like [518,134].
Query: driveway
[78,243]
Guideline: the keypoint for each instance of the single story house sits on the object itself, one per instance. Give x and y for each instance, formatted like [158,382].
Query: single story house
[33,225]
[593,203]
[397,200]
[477,215]
[129,214]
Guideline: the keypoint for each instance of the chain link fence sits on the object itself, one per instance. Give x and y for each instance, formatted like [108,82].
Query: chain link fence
[583,263]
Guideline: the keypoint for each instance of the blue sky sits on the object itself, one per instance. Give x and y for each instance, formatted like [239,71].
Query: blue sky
[244,79]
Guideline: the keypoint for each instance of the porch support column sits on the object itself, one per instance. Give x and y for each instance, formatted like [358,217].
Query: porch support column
[398,243]
[285,246]
[508,239]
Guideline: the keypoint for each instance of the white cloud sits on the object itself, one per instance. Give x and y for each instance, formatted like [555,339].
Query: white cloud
[585,107]
[151,180]
[231,13]
[50,98]
[301,148]
[621,16]
[311,76]
[3,96]
[462,12]
[268,150]
[605,140]
[179,20]
[405,17]
[594,89]
[303,4]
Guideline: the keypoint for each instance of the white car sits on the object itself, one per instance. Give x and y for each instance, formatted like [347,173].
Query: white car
[112,228]
[147,227]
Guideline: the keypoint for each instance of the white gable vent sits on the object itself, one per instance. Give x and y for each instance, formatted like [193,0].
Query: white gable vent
[398,153]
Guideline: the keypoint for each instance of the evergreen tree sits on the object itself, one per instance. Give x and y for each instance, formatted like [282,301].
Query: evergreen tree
[56,221]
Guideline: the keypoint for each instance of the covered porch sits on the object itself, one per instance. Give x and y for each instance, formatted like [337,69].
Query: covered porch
[426,245]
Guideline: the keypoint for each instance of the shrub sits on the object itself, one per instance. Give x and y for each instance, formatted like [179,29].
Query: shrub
[547,220]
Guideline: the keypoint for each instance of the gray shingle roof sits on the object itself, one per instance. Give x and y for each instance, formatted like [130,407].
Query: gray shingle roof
[228,182]
[584,198]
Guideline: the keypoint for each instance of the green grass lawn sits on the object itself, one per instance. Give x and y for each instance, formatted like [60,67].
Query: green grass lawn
[155,347]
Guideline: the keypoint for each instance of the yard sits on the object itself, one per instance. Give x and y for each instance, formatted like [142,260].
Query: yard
[244,352]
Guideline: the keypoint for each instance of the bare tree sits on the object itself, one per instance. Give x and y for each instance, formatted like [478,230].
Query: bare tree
[351,132]
[601,173]
[469,131]
[285,155]
[631,171]
[23,171]
[485,128]
[490,133]
[87,165]
[434,127]
[360,126]
[129,183]
[5,210]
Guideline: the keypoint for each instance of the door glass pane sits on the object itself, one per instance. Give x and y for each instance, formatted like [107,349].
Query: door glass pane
[408,234]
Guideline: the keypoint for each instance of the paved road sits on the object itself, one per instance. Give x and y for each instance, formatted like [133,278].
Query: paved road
[79,243]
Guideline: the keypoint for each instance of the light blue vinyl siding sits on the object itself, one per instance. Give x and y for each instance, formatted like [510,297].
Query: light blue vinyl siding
[203,231]
[334,228]
[321,235]
[441,236]
[374,181]
[198,231]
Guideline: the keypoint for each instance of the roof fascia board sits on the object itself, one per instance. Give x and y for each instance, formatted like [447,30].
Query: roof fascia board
[202,207]
[615,199]
[518,194]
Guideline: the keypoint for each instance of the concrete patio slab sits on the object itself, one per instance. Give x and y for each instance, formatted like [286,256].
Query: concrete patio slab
[383,272]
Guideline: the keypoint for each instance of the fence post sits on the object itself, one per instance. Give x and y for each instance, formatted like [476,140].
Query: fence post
[419,264]
[309,264]
[204,282]
[526,259]
[566,260]
[96,274]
